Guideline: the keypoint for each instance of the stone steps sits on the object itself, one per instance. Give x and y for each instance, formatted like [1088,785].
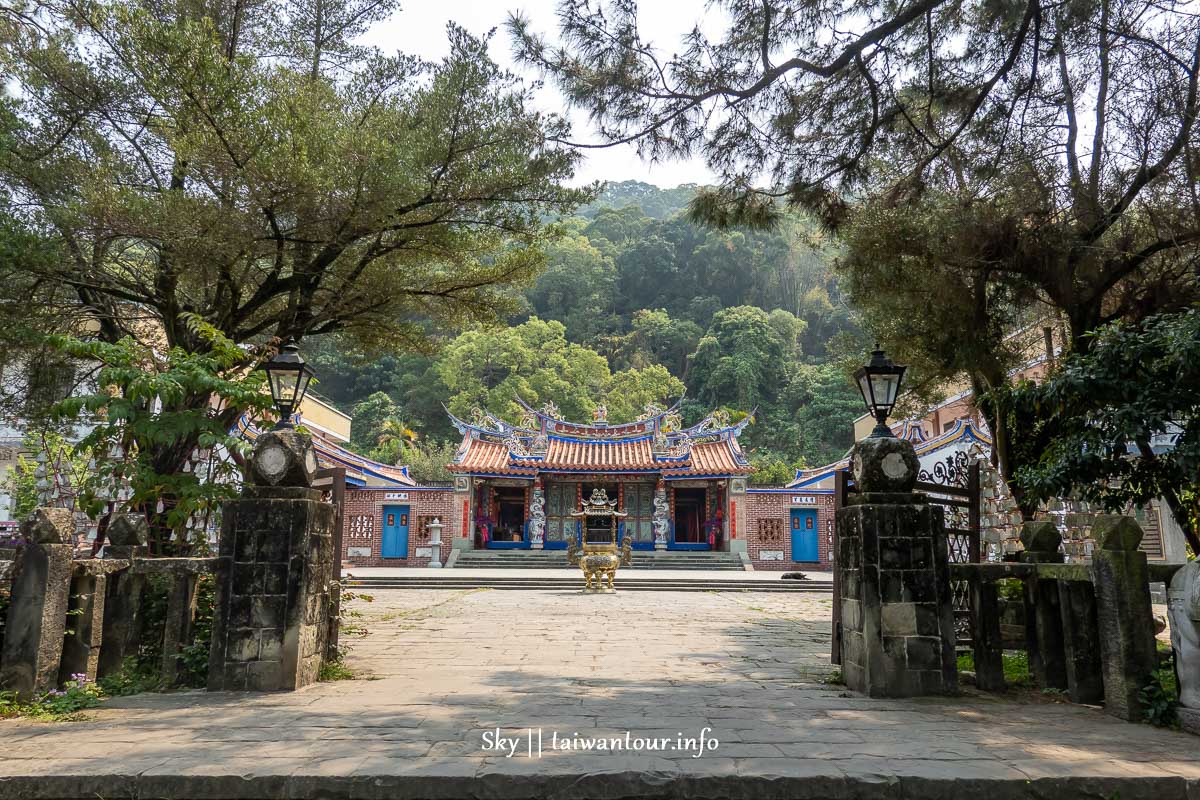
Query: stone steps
[464,580]
[557,559]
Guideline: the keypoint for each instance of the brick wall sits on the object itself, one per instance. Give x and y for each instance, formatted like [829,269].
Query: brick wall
[769,528]
[362,521]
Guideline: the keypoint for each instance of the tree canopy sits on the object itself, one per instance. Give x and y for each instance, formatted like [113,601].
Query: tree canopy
[250,165]
[785,292]
[1122,421]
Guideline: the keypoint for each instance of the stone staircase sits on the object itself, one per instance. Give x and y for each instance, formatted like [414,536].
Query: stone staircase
[557,559]
[626,581]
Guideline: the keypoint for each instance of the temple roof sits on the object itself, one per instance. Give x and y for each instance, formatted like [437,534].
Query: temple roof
[360,471]
[654,443]
[963,431]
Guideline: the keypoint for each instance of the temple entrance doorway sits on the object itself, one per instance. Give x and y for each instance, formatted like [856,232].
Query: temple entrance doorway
[690,513]
[510,518]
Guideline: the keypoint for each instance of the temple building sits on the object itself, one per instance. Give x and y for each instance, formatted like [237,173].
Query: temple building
[516,486]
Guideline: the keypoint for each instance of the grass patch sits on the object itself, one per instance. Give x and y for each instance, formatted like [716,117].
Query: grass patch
[834,678]
[134,677]
[1014,662]
[335,671]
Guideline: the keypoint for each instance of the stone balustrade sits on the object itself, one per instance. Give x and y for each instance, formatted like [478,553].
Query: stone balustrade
[70,616]
[1089,627]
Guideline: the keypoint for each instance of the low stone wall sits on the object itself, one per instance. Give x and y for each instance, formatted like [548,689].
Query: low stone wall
[68,616]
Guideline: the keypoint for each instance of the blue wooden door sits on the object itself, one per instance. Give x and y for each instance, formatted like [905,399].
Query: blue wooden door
[395,532]
[804,534]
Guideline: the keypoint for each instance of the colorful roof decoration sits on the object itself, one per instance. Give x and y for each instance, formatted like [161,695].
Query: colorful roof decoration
[964,431]
[360,471]
[656,442]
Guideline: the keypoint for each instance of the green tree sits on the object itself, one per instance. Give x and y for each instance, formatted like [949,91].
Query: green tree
[576,288]
[823,403]
[250,166]
[739,361]
[147,406]
[1108,415]
[428,462]
[64,464]
[489,369]
[631,390]
[371,420]
[1049,157]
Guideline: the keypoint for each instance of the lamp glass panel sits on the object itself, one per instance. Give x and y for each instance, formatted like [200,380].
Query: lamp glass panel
[283,385]
[302,385]
[864,386]
[883,388]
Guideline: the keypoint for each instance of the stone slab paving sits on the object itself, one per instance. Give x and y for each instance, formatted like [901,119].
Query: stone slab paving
[446,668]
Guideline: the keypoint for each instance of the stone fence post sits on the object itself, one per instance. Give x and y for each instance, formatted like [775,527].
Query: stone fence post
[37,614]
[127,538]
[1123,611]
[277,564]
[898,634]
[1043,614]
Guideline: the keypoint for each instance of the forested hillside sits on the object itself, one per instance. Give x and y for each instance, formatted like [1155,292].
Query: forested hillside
[635,303]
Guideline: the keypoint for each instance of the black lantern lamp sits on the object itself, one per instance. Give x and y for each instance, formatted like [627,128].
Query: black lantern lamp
[289,377]
[879,381]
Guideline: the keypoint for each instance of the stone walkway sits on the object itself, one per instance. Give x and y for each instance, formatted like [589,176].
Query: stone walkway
[443,670]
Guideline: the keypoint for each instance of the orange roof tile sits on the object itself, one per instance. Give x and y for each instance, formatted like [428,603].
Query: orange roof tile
[712,458]
[577,454]
[484,456]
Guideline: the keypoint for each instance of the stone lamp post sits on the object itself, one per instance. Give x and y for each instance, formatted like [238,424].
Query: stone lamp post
[893,567]
[277,567]
[897,614]
[435,543]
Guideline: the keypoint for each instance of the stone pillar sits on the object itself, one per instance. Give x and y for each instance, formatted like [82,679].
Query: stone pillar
[1123,612]
[127,536]
[81,648]
[1081,644]
[537,520]
[987,642]
[661,520]
[37,614]
[463,513]
[270,625]
[897,614]
[177,628]
[1043,616]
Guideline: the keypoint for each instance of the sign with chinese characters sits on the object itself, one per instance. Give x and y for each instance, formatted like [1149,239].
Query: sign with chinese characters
[803,500]
[395,495]
[771,555]
[424,552]
[358,552]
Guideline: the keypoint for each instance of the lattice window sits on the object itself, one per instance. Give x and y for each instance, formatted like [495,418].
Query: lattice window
[362,526]
[770,531]
[422,531]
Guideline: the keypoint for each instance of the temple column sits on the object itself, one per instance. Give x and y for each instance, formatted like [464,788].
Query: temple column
[464,513]
[738,516]
[662,516]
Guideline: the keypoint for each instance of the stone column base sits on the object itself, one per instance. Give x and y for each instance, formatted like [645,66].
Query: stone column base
[535,545]
[1189,719]
[660,545]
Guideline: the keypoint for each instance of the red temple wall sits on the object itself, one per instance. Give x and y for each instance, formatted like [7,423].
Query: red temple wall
[768,522]
[362,519]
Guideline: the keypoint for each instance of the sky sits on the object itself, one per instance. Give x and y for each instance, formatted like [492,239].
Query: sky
[419,28]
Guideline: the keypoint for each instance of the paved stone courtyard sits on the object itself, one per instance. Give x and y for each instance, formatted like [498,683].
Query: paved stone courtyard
[443,668]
